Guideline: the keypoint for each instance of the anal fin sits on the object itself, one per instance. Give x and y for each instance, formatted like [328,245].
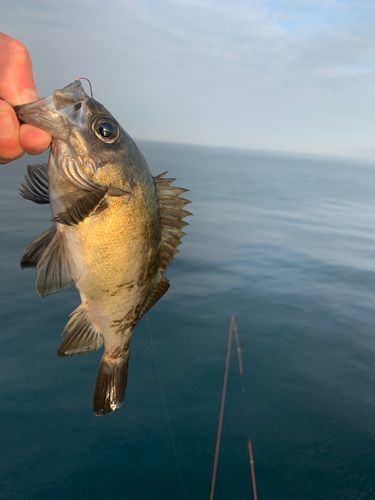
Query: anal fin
[56,269]
[36,248]
[82,208]
[82,337]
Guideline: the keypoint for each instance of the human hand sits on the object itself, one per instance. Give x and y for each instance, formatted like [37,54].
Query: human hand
[17,87]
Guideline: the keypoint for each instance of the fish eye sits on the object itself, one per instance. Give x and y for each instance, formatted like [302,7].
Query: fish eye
[106,129]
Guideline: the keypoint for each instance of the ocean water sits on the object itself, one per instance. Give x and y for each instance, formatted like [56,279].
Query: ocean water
[286,244]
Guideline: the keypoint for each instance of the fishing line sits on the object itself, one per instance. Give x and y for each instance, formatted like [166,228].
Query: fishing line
[83,78]
[166,412]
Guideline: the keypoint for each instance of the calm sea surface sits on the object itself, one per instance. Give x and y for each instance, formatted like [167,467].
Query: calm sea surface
[284,243]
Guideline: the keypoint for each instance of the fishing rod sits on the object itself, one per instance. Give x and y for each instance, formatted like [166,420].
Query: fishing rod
[232,330]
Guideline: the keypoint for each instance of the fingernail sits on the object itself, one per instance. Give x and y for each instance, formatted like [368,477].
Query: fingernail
[29,95]
[7,126]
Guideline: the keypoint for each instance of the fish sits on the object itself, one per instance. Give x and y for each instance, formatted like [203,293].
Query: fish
[115,230]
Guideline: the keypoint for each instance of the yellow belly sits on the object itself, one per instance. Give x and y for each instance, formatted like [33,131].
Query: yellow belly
[116,255]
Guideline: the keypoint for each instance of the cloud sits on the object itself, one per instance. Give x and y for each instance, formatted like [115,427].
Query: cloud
[290,75]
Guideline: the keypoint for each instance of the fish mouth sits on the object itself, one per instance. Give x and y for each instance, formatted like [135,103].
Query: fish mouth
[52,114]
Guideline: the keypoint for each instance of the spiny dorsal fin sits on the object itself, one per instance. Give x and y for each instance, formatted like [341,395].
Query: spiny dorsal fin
[82,208]
[56,269]
[81,337]
[36,188]
[171,214]
[36,248]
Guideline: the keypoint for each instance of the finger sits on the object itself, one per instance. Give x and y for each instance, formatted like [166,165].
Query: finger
[16,83]
[34,140]
[10,147]
[17,87]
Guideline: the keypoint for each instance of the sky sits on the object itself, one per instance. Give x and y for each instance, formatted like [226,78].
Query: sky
[289,75]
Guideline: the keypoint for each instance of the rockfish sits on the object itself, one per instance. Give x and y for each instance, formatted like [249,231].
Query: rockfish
[115,230]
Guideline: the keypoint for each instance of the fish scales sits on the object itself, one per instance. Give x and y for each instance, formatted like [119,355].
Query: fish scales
[115,230]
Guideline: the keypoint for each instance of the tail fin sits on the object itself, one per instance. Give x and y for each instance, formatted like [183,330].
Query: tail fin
[110,385]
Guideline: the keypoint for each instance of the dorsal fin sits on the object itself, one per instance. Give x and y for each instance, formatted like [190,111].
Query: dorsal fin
[82,208]
[160,287]
[36,187]
[171,214]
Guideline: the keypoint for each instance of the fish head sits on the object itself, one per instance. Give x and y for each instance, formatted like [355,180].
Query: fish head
[85,136]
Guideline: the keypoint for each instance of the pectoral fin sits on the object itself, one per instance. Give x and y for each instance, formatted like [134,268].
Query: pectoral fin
[82,208]
[82,337]
[56,269]
[36,187]
[114,191]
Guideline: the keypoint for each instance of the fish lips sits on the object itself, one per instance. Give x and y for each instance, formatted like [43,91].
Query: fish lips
[52,113]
